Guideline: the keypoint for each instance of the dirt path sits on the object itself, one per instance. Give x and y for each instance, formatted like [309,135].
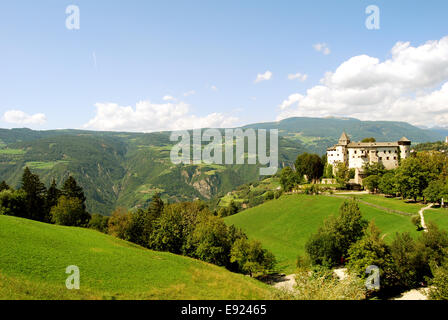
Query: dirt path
[414,294]
[422,217]
[286,282]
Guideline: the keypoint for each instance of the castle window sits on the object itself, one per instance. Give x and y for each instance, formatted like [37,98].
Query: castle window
[381,158]
[387,158]
[395,158]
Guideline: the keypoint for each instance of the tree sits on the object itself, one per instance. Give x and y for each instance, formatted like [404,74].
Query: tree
[372,250]
[139,227]
[118,223]
[433,246]
[376,168]
[289,179]
[69,212]
[251,258]
[35,196]
[411,178]
[99,222]
[156,206]
[435,191]
[13,203]
[72,190]
[407,260]
[328,171]
[309,165]
[438,289]
[52,196]
[4,186]
[371,139]
[342,175]
[330,245]
[371,183]
[210,240]
[387,184]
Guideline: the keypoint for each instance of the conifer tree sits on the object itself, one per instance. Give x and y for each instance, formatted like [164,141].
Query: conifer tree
[35,196]
[72,190]
[53,194]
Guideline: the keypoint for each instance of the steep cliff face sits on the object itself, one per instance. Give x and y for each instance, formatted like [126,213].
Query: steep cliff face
[203,183]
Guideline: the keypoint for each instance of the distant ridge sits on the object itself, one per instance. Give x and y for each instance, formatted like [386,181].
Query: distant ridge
[126,169]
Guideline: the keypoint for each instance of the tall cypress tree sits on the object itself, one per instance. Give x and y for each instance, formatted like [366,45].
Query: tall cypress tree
[35,196]
[72,190]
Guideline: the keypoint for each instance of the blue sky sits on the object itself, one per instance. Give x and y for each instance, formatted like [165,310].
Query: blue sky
[206,55]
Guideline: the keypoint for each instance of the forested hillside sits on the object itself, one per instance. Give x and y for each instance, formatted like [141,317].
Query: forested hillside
[127,169]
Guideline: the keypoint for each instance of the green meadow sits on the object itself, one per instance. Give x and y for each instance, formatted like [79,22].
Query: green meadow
[284,225]
[34,257]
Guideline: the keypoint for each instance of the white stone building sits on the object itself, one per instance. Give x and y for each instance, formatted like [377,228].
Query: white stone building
[356,154]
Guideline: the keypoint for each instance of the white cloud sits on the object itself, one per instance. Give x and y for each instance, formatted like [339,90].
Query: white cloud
[412,86]
[189,93]
[322,47]
[168,98]
[263,77]
[22,118]
[294,98]
[148,117]
[298,76]
[214,88]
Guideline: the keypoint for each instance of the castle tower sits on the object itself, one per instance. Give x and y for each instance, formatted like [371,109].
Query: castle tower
[344,139]
[405,147]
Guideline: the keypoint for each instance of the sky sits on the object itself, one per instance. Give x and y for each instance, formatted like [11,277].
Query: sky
[171,65]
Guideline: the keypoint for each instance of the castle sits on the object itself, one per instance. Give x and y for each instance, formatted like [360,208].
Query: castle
[356,154]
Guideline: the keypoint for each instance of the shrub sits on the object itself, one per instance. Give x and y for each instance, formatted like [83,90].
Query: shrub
[323,285]
[99,223]
[118,223]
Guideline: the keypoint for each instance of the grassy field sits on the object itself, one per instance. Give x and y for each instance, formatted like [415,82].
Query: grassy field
[391,203]
[34,257]
[12,151]
[284,225]
[43,165]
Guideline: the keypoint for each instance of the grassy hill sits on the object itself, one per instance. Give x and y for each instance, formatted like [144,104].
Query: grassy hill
[126,169]
[284,225]
[34,256]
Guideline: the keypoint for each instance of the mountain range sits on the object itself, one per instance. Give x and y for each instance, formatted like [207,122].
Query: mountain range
[125,169]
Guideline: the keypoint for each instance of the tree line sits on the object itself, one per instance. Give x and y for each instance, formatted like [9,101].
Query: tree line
[65,206]
[421,176]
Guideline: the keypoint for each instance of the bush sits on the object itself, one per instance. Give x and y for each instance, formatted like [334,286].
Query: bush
[416,221]
[323,285]
[12,203]
[118,223]
[439,284]
[99,223]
